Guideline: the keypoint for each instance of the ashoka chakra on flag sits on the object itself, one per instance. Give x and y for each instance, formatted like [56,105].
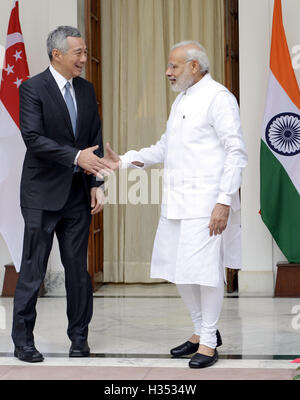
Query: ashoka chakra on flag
[283,134]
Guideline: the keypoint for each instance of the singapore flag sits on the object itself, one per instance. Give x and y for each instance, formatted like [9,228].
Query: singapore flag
[12,148]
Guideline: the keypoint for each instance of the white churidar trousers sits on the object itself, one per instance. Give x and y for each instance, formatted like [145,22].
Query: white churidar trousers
[186,255]
[204,304]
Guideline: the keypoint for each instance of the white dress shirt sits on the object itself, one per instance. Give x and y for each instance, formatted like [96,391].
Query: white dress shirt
[202,150]
[61,83]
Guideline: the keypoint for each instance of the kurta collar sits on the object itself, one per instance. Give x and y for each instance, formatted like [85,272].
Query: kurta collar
[197,86]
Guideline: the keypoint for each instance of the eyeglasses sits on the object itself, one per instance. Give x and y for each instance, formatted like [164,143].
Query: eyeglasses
[172,66]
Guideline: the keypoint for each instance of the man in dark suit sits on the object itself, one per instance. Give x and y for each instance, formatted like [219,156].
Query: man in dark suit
[61,128]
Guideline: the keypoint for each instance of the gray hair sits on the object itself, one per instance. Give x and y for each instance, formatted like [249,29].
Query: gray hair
[196,52]
[57,39]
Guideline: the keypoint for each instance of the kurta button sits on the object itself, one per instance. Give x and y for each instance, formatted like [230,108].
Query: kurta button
[183,117]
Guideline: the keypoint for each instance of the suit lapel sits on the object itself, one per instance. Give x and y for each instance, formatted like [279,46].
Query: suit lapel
[57,97]
[80,105]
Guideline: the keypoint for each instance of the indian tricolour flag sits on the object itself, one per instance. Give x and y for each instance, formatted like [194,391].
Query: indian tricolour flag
[280,147]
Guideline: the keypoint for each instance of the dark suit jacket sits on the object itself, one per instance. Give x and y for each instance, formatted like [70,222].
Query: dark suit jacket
[51,146]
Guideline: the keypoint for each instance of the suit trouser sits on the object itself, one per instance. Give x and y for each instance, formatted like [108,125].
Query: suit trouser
[205,305]
[71,225]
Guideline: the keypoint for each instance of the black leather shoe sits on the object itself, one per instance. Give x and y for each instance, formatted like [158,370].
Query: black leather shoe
[201,361]
[79,349]
[28,354]
[190,348]
[184,349]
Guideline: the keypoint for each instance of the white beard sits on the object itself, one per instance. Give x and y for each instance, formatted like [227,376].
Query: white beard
[183,82]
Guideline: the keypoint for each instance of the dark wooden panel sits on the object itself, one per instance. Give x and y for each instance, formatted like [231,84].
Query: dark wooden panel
[231,16]
[287,280]
[231,63]
[93,74]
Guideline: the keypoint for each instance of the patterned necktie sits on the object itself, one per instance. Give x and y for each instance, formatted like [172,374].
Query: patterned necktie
[71,106]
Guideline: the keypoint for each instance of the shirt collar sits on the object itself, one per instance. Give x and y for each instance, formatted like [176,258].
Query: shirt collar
[200,84]
[59,79]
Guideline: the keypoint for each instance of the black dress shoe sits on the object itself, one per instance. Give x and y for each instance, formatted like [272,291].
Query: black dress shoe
[79,349]
[201,361]
[28,354]
[190,348]
[184,349]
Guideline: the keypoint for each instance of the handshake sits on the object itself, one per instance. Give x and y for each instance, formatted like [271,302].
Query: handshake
[100,167]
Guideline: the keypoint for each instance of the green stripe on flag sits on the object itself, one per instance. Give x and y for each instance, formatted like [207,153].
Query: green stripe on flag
[280,205]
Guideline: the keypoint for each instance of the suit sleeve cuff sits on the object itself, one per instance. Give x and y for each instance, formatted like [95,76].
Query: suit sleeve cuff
[76,158]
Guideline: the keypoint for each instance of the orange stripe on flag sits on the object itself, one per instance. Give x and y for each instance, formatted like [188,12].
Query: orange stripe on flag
[280,59]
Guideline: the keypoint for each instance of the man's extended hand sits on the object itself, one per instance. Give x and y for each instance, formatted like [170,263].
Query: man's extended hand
[97,200]
[88,161]
[111,158]
[218,219]
[111,162]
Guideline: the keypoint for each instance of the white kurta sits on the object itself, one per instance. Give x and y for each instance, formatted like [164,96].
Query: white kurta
[203,154]
[184,253]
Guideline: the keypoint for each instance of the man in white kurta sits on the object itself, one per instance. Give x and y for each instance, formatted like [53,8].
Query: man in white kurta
[203,154]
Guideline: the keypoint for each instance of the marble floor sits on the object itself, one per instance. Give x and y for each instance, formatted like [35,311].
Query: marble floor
[134,326]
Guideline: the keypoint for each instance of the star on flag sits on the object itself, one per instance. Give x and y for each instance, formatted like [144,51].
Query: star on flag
[17,55]
[18,82]
[9,69]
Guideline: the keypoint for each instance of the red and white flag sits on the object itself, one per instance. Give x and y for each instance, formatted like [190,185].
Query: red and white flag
[12,148]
